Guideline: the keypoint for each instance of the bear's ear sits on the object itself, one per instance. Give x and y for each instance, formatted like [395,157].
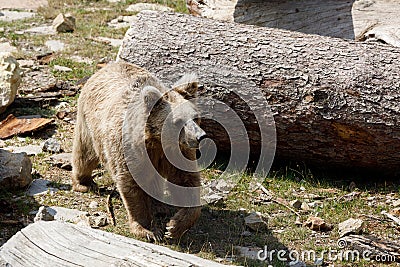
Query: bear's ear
[187,85]
[150,96]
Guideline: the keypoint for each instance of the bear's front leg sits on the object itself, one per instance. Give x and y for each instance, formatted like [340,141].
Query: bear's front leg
[182,221]
[138,206]
[185,217]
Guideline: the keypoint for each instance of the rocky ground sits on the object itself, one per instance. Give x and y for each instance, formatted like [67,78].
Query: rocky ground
[296,209]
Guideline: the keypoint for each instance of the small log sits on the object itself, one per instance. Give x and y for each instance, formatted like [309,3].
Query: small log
[58,243]
[360,20]
[335,102]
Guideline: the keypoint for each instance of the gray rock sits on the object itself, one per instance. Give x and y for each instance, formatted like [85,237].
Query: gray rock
[30,150]
[64,23]
[52,145]
[256,221]
[41,30]
[350,226]
[147,6]
[55,45]
[43,215]
[26,63]
[61,68]
[15,169]
[122,22]
[8,15]
[297,264]
[40,187]
[99,219]
[296,204]
[7,48]
[212,198]
[93,205]
[247,252]
[69,215]
[62,160]
[10,79]
[22,4]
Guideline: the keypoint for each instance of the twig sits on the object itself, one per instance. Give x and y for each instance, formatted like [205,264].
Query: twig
[110,208]
[390,216]
[274,199]
[10,222]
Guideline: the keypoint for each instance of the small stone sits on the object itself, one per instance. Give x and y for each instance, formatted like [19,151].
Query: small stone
[297,264]
[317,224]
[43,215]
[62,68]
[256,221]
[296,204]
[52,145]
[315,204]
[55,45]
[62,160]
[98,219]
[41,30]
[248,252]
[147,6]
[69,215]
[30,150]
[396,203]
[350,226]
[7,48]
[64,23]
[40,187]
[213,198]
[93,205]
[302,188]
[9,15]
[319,262]
[15,170]
[26,63]
[305,207]
[10,79]
[122,22]
[246,233]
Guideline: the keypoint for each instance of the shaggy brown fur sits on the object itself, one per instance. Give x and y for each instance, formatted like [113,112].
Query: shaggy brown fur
[102,106]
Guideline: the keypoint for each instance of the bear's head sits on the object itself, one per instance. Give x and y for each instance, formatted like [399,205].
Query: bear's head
[172,114]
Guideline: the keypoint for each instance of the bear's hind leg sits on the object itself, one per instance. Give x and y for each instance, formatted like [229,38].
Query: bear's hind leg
[84,161]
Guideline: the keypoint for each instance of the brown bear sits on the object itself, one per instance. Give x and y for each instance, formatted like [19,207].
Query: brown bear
[123,95]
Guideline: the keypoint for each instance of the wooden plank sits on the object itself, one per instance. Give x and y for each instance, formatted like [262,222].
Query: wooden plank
[63,244]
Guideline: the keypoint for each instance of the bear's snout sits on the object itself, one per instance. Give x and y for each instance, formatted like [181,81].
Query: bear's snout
[194,134]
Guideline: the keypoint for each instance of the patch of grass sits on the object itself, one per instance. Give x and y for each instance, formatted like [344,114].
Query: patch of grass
[79,70]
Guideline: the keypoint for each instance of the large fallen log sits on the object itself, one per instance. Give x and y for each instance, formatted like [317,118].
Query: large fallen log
[64,244]
[335,102]
[359,20]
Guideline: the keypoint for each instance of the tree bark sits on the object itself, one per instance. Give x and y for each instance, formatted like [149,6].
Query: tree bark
[360,20]
[335,102]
